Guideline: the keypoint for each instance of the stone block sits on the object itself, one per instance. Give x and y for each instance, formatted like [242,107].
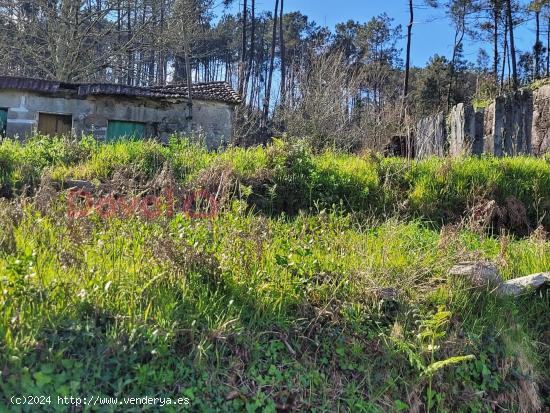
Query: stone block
[431,136]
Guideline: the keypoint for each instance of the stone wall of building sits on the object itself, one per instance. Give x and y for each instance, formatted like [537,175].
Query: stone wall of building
[212,120]
[431,136]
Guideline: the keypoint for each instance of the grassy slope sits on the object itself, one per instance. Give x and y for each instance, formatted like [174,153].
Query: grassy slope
[253,310]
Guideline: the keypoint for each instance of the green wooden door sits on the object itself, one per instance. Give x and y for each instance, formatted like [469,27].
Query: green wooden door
[117,129]
[3,121]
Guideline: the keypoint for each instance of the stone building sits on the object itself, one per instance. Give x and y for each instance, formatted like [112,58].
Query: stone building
[110,112]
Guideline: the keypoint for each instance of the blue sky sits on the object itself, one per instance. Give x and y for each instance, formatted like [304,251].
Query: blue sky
[432,32]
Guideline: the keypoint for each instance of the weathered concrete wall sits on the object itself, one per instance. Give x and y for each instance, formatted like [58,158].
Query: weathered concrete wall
[465,130]
[541,121]
[431,136]
[212,120]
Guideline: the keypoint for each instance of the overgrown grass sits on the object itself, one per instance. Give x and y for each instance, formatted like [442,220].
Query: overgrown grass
[252,311]
[287,178]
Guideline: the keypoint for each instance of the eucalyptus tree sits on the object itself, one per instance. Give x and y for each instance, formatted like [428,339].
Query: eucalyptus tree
[493,24]
[536,7]
[267,96]
[510,22]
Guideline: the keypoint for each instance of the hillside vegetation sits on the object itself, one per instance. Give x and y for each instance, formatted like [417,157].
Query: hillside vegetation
[319,282]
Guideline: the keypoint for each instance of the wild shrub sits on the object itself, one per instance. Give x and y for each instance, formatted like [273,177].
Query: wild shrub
[8,164]
[442,190]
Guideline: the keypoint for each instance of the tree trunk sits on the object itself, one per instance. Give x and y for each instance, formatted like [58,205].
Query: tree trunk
[512,45]
[504,55]
[243,49]
[130,69]
[189,80]
[538,45]
[548,48]
[459,36]
[282,52]
[408,57]
[271,65]
[496,13]
[252,45]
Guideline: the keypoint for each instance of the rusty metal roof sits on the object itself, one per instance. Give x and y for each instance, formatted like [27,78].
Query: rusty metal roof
[215,91]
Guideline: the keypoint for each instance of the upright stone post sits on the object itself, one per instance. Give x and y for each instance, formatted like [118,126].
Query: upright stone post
[463,138]
[477,148]
[522,119]
[512,123]
[488,130]
[541,121]
[499,126]
[431,136]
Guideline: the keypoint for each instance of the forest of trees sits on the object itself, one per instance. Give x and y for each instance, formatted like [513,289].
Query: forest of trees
[351,87]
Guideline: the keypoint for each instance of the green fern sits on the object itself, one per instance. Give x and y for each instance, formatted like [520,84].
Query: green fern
[431,331]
